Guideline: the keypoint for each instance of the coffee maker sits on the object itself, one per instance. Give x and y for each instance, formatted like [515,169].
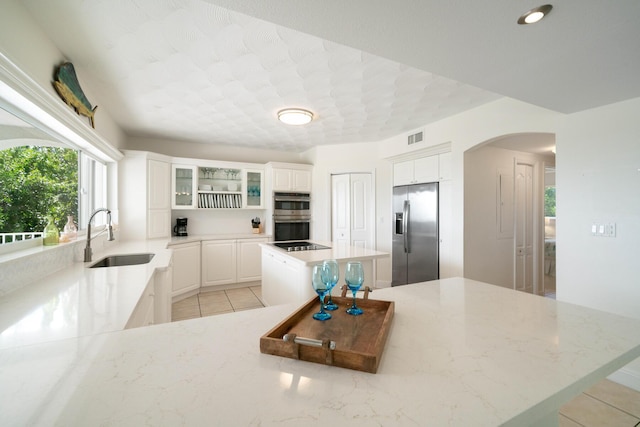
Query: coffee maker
[180,228]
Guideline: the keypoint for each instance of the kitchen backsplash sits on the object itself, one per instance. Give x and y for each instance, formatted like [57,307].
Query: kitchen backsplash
[203,222]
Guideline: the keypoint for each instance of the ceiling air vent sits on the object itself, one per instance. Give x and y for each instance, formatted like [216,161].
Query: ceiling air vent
[416,137]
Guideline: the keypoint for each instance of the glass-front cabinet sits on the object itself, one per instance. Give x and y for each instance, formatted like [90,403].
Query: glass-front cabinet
[228,187]
[253,195]
[219,188]
[183,186]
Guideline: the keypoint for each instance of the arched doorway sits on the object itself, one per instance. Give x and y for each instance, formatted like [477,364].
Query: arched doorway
[503,210]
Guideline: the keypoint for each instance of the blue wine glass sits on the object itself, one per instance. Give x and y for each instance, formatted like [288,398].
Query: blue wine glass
[330,276]
[354,276]
[321,289]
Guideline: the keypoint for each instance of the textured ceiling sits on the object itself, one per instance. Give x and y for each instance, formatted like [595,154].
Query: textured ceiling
[189,70]
[217,71]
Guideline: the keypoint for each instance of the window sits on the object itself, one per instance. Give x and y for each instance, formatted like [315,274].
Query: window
[44,178]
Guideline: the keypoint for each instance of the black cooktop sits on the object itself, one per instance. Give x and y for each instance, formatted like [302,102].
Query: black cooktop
[299,246]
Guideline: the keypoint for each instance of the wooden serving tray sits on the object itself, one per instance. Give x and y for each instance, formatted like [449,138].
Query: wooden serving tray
[353,342]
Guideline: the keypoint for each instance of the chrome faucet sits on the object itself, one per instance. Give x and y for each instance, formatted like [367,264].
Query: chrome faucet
[108,229]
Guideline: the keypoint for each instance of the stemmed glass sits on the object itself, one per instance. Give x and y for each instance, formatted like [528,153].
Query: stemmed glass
[330,275]
[321,289]
[354,276]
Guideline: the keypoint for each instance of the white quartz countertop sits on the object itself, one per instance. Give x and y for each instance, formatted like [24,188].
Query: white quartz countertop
[176,240]
[344,253]
[79,301]
[459,353]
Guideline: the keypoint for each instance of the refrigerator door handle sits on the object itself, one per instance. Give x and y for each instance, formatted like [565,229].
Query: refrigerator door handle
[405,225]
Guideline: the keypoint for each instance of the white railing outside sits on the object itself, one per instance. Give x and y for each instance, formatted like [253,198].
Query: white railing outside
[17,237]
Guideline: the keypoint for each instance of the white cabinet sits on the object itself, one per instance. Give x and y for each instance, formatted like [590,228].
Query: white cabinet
[444,166]
[249,264]
[253,195]
[143,314]
[425,169]
[159,204]
[218,262]
[291,178]
[226,262]
[282,280]
[183,186]
[144,183]
[186,268]
[162,295]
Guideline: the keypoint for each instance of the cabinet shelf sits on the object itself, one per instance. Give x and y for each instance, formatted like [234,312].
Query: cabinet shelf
[219,200]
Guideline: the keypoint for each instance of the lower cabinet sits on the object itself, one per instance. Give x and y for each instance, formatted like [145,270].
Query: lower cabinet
[226,262]
[143,314]
[249,265]
[162,295]
[218,262]
[186,268]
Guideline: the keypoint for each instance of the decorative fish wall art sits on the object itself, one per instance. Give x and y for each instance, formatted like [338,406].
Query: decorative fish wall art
[67,85]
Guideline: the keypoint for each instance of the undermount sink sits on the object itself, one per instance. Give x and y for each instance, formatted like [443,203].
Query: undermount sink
[121,260]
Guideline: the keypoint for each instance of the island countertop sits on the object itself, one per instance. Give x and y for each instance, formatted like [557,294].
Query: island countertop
[286,276]
[339,253]
[459,352]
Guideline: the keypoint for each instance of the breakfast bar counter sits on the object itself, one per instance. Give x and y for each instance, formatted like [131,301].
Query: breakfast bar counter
[459,353]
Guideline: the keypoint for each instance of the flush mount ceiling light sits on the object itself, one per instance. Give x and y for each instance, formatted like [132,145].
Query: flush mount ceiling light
[295,116]
[535,14]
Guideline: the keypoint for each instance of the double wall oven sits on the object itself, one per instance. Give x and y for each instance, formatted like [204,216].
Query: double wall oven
[291,216]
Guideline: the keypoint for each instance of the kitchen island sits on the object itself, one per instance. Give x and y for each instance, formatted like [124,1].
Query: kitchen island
[459,353]
[286,276]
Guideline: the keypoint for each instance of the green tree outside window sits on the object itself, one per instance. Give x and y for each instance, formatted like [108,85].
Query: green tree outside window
[35,182]
[550,201]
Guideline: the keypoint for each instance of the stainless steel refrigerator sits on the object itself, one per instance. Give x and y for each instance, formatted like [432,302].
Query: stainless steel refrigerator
[415,235]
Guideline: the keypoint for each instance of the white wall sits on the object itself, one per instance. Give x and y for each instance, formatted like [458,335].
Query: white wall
[27,46]
[598,180]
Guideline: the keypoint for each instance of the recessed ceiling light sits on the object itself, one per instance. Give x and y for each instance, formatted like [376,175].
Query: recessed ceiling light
[295,116]
[535,14]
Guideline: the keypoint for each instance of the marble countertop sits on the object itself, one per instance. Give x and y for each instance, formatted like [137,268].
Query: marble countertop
[351,253]
[459,351]
[177,240]
[79,301]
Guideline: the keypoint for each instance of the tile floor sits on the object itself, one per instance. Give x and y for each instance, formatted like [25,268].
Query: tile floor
[217,302]
[607,404]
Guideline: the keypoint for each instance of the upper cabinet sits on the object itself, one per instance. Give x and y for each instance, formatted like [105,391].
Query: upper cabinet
[222,185]
[290,177]
[425,169]
[147,178]
[158,208]
[253,196]
[183,186]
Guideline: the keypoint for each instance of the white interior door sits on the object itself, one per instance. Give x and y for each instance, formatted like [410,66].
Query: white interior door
[361,211]
[524,260]
[340,211]
[352,218]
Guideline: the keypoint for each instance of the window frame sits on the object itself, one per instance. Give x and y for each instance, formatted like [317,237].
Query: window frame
[21,96]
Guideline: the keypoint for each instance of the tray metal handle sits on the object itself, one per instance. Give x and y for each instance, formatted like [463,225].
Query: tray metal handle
[308,341]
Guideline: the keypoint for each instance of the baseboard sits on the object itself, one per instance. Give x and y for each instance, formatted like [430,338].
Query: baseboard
[627,377]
